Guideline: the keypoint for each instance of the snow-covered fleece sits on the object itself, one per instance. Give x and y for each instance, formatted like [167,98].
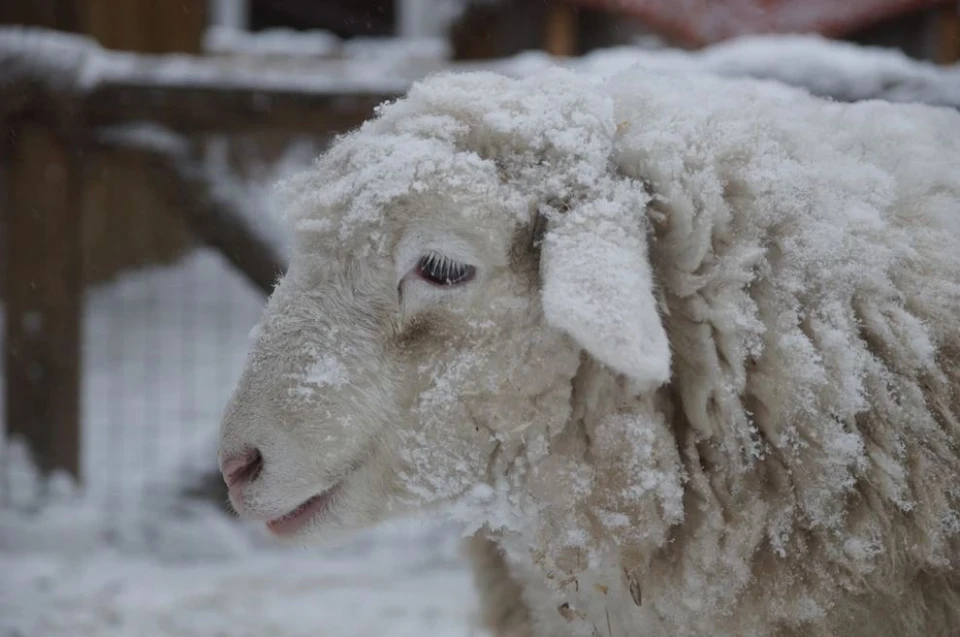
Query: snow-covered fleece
[713,384]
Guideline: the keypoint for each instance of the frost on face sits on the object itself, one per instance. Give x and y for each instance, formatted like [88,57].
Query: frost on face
[440,465]
[324,372]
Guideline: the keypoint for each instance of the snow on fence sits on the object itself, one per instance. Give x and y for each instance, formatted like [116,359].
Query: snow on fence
[154,353]
[121,384]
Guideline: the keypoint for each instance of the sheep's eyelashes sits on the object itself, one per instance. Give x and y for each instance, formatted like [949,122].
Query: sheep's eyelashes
[440,270]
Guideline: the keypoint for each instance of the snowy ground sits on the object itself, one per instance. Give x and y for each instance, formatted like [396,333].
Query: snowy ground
[128,555]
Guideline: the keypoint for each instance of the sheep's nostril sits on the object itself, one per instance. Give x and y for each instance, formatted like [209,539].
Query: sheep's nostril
[243,468]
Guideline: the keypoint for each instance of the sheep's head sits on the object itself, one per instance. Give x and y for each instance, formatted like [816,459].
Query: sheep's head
[453,259]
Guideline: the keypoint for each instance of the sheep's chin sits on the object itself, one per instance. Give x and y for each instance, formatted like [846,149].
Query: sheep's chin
[326,516]
[311,510]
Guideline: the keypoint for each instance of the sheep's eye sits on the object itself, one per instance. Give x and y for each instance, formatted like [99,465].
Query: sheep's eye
[440,270]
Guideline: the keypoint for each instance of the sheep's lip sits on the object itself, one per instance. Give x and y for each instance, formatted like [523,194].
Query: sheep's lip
[291,522]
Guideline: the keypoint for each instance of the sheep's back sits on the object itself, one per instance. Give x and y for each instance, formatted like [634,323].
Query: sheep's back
[809,258]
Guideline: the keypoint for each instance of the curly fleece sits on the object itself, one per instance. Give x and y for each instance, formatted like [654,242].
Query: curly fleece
[761,434]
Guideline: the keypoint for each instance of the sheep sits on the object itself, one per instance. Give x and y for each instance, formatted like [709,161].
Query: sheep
[681,352]
[838,69]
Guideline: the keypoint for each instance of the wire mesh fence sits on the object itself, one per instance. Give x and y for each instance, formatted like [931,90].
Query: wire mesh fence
[162,348]
[163,345]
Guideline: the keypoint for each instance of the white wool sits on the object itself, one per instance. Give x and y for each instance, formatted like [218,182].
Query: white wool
[705,374]
[832,68]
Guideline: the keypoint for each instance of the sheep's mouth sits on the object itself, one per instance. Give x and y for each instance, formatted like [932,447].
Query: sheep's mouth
[291,522]
[314,507]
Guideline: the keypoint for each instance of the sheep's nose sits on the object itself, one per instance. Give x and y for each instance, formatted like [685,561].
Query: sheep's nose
[241,469]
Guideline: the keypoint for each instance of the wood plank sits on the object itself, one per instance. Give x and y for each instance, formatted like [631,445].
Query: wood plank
[215,221]
[560,31]
[147,26]
[43,290]
[182,183]
[53,14]
[948,35]
[187,93]
[196,109]
[127,223]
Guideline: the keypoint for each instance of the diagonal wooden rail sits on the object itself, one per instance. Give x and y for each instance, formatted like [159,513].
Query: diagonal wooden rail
[182,180]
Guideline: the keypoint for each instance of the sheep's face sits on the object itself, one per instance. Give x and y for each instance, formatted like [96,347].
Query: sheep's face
[420,337]
[394,359]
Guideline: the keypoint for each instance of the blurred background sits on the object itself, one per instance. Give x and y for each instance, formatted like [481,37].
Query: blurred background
[138,246]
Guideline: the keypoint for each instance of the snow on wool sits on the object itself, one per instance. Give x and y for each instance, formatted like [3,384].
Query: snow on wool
[702,381]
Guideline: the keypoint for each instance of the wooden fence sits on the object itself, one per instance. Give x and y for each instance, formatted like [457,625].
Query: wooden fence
[57,119]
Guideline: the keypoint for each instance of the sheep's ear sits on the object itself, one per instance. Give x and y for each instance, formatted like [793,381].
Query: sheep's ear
[598,288]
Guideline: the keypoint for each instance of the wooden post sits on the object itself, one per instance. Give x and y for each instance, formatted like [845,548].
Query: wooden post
[948,35]
[41,253]
[560,36]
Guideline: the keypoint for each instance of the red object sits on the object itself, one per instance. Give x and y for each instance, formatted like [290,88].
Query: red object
[701,22]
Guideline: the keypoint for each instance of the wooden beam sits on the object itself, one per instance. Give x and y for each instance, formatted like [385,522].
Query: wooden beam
[216,221]
[188,94]
[53,14]
[147,26]
[181,180]
[207,109]
[43,293]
